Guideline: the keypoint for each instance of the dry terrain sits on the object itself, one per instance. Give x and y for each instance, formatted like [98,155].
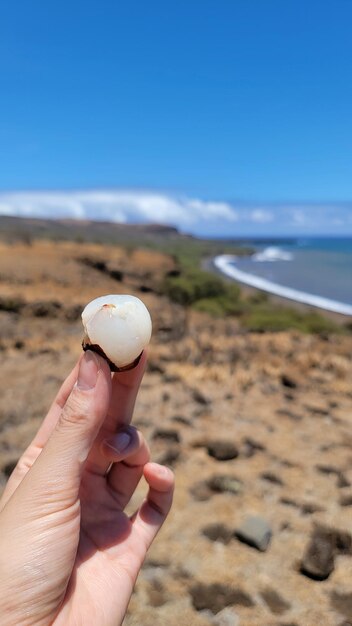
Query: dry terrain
[253,425]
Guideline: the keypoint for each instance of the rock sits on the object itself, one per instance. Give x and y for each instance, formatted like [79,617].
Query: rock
[226,617]
[44,309]
[295,417]
[217,596]
[73,312]
[200,398]
[169,456]
[255,532]
[155,367]
[19,344]
[318,559]
[342,481]
[272,478]
[167,434]
[275,602]
[11,304]
[251,446]
[288,381]
[8,468]
[181,419]
[317,408]
[308,508]
[222,450]
[218,532]
[346,499]
[223,483]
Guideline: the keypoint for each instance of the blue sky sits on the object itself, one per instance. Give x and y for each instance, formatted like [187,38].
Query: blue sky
[219,116]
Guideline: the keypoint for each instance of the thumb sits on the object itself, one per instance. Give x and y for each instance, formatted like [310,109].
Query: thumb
[56,474]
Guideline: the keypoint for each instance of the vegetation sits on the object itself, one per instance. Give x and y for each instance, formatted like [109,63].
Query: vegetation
[206,292]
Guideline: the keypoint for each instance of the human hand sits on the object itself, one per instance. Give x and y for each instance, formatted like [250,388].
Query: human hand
[69,555]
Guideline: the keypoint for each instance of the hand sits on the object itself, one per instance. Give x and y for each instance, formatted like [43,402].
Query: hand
[69,555]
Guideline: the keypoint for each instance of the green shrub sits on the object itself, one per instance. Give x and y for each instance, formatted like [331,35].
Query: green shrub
[271,318]
[192,286]
[220,306]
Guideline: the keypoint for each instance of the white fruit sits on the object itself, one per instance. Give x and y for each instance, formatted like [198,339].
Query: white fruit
[120,325]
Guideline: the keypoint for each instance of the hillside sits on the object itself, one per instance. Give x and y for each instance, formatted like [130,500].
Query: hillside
[252,423]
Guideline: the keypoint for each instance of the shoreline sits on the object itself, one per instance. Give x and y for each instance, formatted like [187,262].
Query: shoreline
[222,263]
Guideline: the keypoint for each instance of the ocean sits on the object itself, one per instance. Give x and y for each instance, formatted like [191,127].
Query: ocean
[316,271]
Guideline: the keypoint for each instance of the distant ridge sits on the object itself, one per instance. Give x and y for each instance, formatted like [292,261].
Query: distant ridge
[26,228]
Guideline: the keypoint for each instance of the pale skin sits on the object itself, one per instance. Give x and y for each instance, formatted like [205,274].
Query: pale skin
[69,554]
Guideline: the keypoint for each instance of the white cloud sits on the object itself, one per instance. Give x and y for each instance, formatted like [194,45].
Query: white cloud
[299,218]
[116,206]
[187,213]
[261,216]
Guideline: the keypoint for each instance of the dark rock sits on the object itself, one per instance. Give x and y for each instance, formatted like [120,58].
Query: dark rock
[167,434]
[346,499]
[116,275]
[73,312]
[218,532]
[19,345]
[327,469]
[171,378]
[222,450]
[288,381]
[275,602]
[166,396]
[181,419]
[217,596]
[318,559]
[154,366]
[290,502]
[317,409]
[11,304]
[290,414]
[272,478]
[225,484]
[169,457]
[308,508]
[255,532]
[199,397]
[8,468]
[44,309]
[251,446]
[342,602]
[342,481]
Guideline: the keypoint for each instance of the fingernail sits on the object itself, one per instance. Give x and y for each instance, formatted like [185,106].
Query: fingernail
[119,442]
[88,371]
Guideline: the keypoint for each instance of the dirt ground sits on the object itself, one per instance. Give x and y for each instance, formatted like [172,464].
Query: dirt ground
[253,425]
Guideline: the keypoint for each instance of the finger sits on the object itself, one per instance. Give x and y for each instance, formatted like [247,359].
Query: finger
[148,520]
[125,386]
[128,464]
[35,447]
[53,481]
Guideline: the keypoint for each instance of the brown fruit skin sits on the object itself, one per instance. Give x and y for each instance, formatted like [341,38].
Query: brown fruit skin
[86,345]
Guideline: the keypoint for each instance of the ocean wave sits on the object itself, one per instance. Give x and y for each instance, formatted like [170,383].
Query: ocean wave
[272,254]
[225,263]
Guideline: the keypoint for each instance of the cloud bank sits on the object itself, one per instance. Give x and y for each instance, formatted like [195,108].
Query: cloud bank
[188,214]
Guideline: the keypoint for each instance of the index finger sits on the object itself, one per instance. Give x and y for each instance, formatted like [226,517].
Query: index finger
[125,387]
